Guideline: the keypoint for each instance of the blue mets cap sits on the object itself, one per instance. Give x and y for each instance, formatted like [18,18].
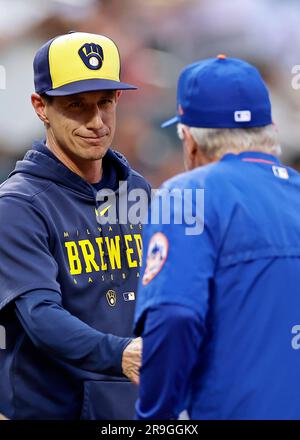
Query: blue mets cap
[78,62]
[221,92]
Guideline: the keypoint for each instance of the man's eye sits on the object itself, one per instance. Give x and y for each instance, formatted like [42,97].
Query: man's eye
[75,104]
[106,101]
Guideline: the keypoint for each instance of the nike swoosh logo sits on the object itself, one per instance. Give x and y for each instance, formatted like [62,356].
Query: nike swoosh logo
[104,210]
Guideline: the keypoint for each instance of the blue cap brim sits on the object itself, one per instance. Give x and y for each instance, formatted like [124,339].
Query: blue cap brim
[89,85]
[169,122]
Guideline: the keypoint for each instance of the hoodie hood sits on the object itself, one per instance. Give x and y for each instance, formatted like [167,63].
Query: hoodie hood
[42,163]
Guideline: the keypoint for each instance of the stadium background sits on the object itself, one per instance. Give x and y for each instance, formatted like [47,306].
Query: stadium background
[156,39]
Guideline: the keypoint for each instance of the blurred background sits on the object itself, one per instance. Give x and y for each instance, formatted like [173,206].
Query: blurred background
[156,39]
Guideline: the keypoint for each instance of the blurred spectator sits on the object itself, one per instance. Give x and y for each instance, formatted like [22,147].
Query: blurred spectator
[156,38]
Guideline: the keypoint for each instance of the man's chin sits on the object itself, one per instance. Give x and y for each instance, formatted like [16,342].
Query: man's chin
[91,152]
[94,155]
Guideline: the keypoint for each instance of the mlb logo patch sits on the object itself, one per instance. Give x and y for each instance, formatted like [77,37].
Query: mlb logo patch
[129,296]
[242,116]
[280,172]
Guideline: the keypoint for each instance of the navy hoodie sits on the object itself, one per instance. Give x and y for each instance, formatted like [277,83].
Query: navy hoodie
[68,287]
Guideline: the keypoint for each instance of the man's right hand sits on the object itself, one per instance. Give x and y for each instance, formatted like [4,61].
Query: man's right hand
[132,359]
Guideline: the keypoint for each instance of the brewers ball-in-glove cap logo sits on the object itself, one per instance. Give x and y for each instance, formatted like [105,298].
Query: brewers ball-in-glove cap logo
[92,55]
[78,62]
[111,297]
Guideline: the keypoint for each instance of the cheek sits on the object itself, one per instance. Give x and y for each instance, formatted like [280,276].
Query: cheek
[62,129]
[67,128]
[112,122]
[57,121]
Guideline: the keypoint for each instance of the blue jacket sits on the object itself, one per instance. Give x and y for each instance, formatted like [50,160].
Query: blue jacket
[68,287]
[219,312]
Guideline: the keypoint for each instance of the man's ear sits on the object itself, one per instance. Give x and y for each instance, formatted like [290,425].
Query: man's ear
[39,105]
[189,143]
[190,149]
[118,95]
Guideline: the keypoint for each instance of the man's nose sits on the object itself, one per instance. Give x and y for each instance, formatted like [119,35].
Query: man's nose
[95,121]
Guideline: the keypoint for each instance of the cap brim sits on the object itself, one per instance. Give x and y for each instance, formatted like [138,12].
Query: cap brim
[169,122]
[89,85]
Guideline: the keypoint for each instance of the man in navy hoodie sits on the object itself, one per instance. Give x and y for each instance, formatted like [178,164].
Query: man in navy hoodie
[68,281]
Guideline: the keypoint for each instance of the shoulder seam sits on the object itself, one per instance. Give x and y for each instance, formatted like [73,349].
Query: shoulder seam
[25,197]
[139,176]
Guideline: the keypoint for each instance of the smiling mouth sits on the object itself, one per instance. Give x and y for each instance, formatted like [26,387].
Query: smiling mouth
[93,139]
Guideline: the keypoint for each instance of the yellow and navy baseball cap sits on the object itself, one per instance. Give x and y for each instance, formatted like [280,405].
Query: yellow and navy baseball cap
[78,62]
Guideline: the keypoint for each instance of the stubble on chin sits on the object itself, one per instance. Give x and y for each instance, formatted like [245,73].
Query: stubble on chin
[93,155]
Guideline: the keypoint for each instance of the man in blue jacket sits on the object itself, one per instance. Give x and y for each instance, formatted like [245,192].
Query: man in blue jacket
[68,278]
[219,300]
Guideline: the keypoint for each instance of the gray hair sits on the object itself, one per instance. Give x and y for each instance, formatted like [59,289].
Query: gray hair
[215,142]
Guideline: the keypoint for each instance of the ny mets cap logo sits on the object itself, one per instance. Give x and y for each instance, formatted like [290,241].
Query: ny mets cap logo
[156,256]
[92,55]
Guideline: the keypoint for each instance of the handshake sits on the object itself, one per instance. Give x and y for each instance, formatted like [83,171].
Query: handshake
[132,359]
